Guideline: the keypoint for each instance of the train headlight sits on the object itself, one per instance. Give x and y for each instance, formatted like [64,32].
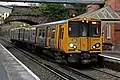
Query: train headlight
[94,47]
[84,18]
[75,47]
[97,45]
[71,45]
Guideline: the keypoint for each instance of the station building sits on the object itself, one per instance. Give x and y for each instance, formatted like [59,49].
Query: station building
[111,30]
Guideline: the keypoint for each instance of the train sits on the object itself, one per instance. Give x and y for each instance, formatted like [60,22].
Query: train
[76,40]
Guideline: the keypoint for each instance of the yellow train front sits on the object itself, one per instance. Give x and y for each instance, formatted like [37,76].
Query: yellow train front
[84,40]
[78,40]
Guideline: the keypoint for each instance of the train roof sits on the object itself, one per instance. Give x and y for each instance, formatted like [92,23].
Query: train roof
[59,22]
[51,23]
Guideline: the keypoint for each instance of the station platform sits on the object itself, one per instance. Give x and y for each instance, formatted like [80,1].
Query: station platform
[111,54]
[12,69]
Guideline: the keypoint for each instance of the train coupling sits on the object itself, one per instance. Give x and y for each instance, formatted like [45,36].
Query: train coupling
[94,60]
[86,61]
[73,58]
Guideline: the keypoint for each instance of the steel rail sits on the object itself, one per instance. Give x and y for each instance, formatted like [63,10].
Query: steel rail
[105,72]
[62,75]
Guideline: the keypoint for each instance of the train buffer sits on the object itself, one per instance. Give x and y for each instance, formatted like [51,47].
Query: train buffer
[12,69]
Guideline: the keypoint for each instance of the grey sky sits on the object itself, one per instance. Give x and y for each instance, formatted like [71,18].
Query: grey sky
[15,3]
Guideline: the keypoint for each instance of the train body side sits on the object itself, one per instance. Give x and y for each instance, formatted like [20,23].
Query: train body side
[57,36]
[64,38]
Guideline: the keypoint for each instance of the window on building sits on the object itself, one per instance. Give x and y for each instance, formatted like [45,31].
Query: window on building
[108,31]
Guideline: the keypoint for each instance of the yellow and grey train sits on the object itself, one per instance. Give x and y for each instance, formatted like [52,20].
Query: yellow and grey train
[73,40]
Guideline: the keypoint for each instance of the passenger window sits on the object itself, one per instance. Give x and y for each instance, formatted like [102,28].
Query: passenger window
[43,33]
[32,33]
[53,33]
[48,31]
[95,29]
[40,32]
[61,33]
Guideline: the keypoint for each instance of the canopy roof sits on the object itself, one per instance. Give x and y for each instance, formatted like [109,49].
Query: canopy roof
[105,14]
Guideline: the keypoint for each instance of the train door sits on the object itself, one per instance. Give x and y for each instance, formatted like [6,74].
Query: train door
[84,43]
[47,39]
[60,38]
[84,37]
[32,35]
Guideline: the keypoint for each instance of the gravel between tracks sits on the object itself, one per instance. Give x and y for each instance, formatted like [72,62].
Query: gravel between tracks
[110,71]
[98,75]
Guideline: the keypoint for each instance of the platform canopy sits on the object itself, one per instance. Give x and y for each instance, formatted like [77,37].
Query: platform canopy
[60,1]
[106,14]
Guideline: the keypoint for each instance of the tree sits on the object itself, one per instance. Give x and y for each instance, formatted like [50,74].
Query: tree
[78,9]
[53,11]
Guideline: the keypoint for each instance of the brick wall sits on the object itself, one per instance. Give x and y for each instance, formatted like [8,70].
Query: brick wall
[91,7]
[117,36]
[26,9]
[114,3]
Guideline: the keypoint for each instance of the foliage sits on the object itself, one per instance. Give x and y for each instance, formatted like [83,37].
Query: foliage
[52,11]
[81,8]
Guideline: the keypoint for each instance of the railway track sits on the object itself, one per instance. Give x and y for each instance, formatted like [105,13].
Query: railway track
[97,69]
[90,74]
[60,74]
[97,74]
[83,74]
[93,69]
[65,76]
